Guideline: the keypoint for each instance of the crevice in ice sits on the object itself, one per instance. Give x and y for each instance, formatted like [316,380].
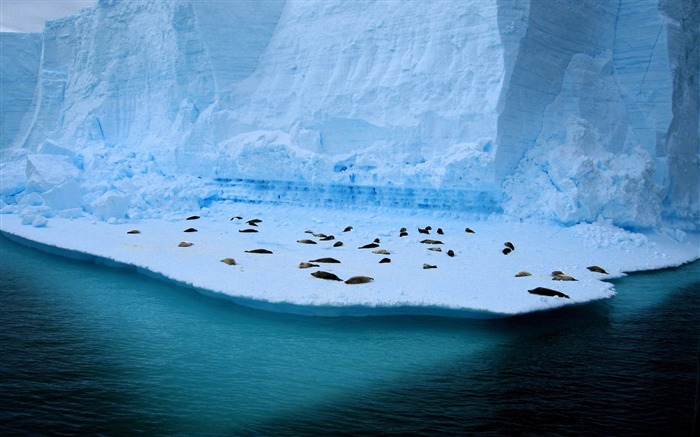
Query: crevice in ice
[651,55]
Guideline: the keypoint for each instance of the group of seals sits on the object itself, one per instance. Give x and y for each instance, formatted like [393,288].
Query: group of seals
[333,277]
[509,247]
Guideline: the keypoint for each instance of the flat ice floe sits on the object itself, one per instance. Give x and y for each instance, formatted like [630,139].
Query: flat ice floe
[478,281]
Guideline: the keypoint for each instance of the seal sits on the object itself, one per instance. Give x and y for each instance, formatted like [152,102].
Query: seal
[347,229]
[133,231]
[319,235]
[259,251]
[381,252]
[236,217]
[403,234]
[429,241]
[509,245]
[440,231]
[359,280]
[190,230]
[185,244]
[247,231]
[469,231]
[450,253]
[523,273]
[384,261]
[325,275]
[337,244]
[557,272]
[192,217]
[229,261]
[597,269]
[563,278]
[306,241]
[254,222]
[435,249]
[325,260]
[428,266]
[305,265]
[542,291]
[425,230]
[328,238]
[507,250]
[369,246]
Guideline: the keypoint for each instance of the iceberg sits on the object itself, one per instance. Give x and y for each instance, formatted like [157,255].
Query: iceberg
[554,113]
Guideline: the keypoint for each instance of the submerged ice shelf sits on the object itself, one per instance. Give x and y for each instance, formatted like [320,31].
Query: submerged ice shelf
[479,281]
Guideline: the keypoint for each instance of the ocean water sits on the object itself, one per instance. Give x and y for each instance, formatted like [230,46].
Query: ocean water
[90,349]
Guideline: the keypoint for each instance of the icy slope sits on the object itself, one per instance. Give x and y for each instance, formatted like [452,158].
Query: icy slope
[543,109]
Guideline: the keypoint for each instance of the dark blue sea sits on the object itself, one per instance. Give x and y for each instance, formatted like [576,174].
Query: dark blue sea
[93,350]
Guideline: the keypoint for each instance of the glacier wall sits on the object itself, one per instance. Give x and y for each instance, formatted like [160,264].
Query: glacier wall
[569,111]
[20,55]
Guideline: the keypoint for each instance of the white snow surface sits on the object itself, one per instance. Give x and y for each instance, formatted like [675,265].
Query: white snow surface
[479,281]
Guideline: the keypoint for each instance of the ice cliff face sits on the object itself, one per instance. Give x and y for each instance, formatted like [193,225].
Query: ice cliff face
[571,111]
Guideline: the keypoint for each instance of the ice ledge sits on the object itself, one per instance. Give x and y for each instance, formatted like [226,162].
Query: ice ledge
[478,282]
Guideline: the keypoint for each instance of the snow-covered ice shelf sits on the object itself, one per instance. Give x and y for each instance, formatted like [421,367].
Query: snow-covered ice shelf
[479,281]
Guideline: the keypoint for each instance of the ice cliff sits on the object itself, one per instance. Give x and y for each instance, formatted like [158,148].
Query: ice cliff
[569,111]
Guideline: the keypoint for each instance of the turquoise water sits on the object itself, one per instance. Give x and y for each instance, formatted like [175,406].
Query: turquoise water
[91,349]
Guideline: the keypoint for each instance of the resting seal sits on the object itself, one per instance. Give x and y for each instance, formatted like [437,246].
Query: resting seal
[305,241]
[259,251]
[359,280]
[229,261]
[369,246]
[542,291]
[563,278]
[305,265]
[133,231]
[597,269]
[325,260]
[190,230]
[192,217]
[185,244]
[325,275]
